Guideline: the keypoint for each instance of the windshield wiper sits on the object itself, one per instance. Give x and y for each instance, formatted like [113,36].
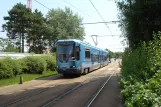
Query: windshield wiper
[68,57]
[57,58]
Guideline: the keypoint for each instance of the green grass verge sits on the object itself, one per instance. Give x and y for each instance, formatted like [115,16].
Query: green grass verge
[26,77]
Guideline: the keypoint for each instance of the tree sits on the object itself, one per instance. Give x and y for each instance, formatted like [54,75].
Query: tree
[64,24]
[37,33]
[7,45]
[17,23]
[139,18]
[3,43]
[110,52]
[10,48]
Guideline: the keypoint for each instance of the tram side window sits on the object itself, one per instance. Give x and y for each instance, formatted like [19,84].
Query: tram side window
[92,58]
[77,52]
[95,58]
[87,53]
[104,58]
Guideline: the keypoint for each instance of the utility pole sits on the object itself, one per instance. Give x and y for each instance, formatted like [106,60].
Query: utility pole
[95,42]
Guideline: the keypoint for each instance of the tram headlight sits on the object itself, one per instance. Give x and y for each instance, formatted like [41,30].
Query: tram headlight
[73,66]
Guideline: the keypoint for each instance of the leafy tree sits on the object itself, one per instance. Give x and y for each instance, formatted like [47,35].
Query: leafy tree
[3,43]
[7,45]
[10,48]
[17,23]
[118,54]
[64,24]
[110,52]
[139,18]
[36,36]
[23,24]
[115,54]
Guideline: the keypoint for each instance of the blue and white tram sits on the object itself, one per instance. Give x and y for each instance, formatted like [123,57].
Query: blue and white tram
[78,57]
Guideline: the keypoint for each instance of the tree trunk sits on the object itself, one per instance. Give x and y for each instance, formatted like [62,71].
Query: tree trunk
[22,43]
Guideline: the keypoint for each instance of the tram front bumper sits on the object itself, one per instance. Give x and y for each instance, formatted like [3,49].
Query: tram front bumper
[68,71]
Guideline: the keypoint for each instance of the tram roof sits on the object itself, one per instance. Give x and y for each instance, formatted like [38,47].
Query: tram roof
[81,42]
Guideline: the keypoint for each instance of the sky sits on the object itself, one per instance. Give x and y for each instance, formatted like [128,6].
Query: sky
[107,9]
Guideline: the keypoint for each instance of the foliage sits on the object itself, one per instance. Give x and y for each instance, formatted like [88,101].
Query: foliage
[138,20]
[110,52]
[118,54]
[17,66]
[18,23]
[6,68]
[7,45]
[64,24]
[10,67]
[3,43]
[51,62]
[115,54]
[35,64]
[36,35]
[10,48]
[31,64]
[24,25]
[141,73]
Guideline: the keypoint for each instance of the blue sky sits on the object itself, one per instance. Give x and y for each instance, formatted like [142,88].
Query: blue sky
[84,8]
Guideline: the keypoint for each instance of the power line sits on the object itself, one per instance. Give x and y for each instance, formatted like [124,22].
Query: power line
[107,35]
[42,4]
[100,16]
[101,22]
[79,10]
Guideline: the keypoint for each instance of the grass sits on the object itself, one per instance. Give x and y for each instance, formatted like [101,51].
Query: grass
[26,77]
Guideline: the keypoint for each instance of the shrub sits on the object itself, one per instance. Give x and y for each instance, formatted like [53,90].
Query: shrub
[53,54]
[23,64]
[17,66]
[141,71]
[6,68]
[35,64]
[51,62]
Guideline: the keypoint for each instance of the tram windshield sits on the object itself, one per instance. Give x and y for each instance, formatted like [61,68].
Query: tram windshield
[65,52]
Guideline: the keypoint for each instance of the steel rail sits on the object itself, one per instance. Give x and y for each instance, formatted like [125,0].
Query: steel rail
[98,92]
[66,93]
[25,97]
[49,103]
[63,95]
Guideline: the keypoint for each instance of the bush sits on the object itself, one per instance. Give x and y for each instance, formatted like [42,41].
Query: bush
[32,64]
[35,64]
[6,68]
[141,71]
[17,66]
[53,54]
[51,62]
[23,64]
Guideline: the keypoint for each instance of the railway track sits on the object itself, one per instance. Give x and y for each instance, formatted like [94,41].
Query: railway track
[99,91]
[79,86]
[55,99]
[49,103]
[28,96]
